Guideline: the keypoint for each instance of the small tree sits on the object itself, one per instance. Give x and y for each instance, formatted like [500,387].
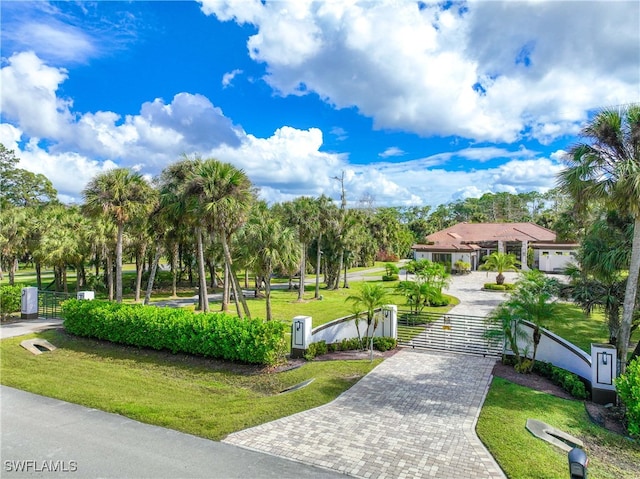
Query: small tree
[500,262]
[371,297]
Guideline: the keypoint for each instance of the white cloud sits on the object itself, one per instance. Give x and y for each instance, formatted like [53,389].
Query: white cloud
[391,151]
[489,71]
[228,77]
[287,164]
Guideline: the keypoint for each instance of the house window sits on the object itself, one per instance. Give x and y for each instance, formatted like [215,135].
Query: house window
[444,258]
[545,253]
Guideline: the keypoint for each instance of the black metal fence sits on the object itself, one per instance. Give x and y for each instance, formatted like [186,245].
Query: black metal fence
[449,332]
[49,303]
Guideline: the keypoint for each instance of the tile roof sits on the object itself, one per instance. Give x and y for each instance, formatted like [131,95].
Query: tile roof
[465,236]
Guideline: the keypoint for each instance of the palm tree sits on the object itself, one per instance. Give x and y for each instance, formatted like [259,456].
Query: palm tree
[119,195]
[500,262]
[273,247]
[224,197]
[325,207]
[534,300]
[606,168]
[302,213]
[371,297]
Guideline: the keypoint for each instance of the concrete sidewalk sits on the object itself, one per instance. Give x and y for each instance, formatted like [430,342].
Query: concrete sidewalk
[48,438]
[413,416]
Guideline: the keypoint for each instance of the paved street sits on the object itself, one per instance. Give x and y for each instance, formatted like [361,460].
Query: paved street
[41,434]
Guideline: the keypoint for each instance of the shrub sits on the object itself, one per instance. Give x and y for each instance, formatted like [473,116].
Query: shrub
[462,266]
[628,388]
[351,344]
[391,277]
[384,343]
[499,287]
[565,379]
[10,299]
[215,335]
[316,349]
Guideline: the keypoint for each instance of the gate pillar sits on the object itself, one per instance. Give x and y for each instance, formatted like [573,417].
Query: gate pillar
[390,321]
[29,303]
[300,335]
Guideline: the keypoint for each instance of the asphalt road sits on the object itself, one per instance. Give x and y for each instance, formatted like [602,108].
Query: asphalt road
[47,438]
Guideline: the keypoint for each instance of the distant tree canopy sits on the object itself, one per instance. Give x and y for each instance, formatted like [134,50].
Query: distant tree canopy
[19,187]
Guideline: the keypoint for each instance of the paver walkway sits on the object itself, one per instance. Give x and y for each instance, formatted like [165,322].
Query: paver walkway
[413,416]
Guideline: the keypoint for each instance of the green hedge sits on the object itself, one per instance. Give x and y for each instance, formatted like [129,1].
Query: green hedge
[567,380]
[384,343]
[628,387]
[10,299]
[499,287]
[216,335]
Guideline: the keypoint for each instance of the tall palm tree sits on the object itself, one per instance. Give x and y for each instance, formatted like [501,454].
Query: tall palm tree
[119,195]
[606,168]
[302,213]
[500,262]
[224,196]
[273,247]
[325,206]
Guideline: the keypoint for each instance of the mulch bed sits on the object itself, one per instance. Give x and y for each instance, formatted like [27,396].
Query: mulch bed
[610,418]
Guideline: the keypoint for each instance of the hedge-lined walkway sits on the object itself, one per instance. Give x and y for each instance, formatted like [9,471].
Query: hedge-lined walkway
[412,417]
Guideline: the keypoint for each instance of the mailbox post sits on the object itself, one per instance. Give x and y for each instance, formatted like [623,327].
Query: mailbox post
[578,462]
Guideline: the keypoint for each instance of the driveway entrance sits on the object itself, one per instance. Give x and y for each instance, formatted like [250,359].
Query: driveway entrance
[413,416]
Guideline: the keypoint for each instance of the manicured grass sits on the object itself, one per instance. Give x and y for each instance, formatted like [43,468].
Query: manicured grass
[203,397]
[501,427]
[573,325]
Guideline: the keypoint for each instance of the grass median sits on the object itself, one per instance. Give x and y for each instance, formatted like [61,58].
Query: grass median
[207,398]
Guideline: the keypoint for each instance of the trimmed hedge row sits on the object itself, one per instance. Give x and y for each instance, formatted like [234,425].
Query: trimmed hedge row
[567,380]
[500,287]
[384,343]
[216,335]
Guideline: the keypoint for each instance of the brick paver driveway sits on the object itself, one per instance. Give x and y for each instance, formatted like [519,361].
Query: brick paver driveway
[413,416]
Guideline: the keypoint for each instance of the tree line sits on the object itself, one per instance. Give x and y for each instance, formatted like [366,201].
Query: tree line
[204,217]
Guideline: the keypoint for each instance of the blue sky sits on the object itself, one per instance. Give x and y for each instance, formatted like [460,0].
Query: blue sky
[419,103]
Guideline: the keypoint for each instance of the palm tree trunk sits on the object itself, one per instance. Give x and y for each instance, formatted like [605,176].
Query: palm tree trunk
[152,275]
[337,281]
[318,258]
[346,282]
[174,270]
[225,289]
[139,269]
[629,297]
[38,274]
[267,292]
[109,273]
[119,263]
[234,280]
[204,299]
[303,267]
[12,272]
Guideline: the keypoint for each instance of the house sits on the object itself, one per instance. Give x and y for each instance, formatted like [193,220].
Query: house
[470,242]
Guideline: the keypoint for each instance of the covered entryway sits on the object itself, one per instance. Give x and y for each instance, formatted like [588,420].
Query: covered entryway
[449,332]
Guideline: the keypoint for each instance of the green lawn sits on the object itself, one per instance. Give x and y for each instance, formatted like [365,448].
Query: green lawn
[203,397]
[573,325]
[501,427]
